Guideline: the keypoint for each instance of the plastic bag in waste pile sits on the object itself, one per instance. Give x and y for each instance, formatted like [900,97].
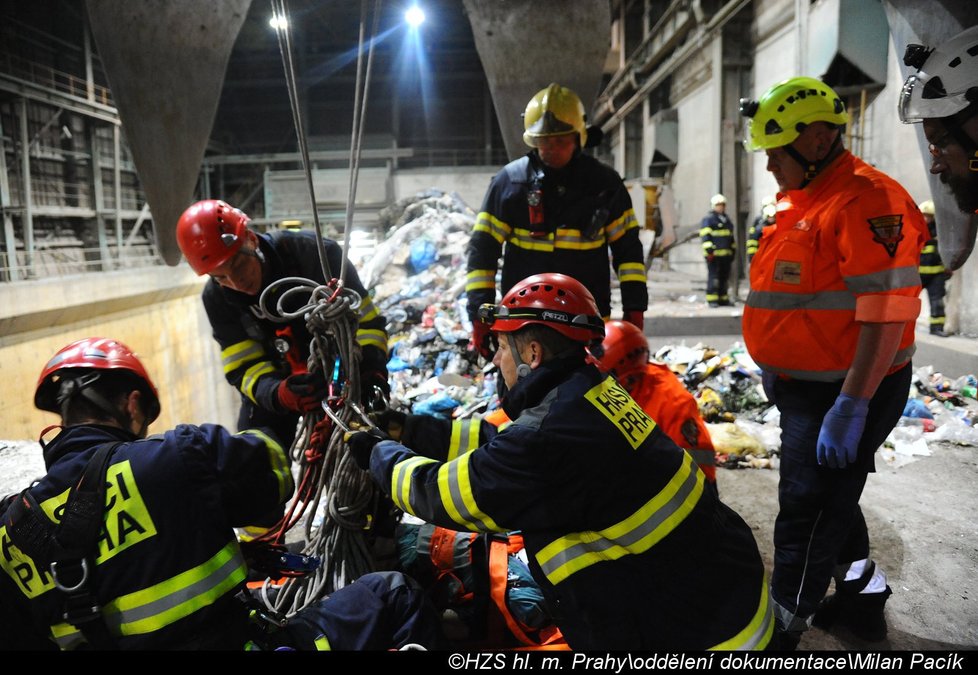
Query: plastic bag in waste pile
[737,447]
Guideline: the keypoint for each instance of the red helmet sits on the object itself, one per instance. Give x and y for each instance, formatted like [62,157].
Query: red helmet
[553,300]
[625,349]
[209,233]
[92,354]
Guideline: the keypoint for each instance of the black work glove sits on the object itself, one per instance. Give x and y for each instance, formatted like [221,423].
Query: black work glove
[361,443]
[375,390]
[392,422]
[302,393]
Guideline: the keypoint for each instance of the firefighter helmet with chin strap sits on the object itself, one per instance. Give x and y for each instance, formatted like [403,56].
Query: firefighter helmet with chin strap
[209,233]
[624,351]
[553,300]
[554,111]
[74,367]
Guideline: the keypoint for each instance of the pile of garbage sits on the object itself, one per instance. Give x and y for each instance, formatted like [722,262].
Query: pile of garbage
[417,277]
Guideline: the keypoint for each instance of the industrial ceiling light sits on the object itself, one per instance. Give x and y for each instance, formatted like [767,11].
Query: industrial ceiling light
[414,16]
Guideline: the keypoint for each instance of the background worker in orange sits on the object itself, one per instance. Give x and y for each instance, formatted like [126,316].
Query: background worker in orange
[830,320]
[624,353]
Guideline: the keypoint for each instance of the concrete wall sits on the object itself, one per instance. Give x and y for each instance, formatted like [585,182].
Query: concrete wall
[470,183]
[696,175]
[782,41]
[157,312]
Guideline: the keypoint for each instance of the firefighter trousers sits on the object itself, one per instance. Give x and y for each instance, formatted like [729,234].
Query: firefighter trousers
[819,523]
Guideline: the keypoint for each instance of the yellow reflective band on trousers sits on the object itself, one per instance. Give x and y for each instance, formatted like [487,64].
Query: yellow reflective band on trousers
[479,279]
[322,644]
[374,337]
[241,353]
[250,379]
[617,229]
[757,634]
[278,461]
[167,602]
[465,437]
[632,271]
[634,535]
[495,228]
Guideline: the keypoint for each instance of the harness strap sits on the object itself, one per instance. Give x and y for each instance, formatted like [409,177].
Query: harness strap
[499,550]
[68,548]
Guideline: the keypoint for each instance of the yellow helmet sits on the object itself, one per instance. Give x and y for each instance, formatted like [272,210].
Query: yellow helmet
[786,109]
[927,207]
[554,111]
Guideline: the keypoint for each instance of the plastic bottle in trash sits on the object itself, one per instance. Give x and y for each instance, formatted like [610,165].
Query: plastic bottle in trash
[970,391]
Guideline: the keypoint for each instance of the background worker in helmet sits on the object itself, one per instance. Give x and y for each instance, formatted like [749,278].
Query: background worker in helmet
[834,296]
[933,276]
[556,210]
[943,94]
[716,233]
[618,523]
[624,354]
[764,218]
[265,360]
[165,570]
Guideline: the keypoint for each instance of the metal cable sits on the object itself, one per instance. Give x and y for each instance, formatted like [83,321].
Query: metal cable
[284,33]
[328,480]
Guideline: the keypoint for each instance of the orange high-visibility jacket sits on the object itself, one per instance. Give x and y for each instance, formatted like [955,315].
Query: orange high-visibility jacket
[843,251]
[674,409]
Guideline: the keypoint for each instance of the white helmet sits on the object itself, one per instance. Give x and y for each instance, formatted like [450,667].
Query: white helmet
[717,199]
[946,81]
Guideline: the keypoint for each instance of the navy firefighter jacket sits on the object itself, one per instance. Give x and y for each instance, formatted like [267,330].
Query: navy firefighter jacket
[619,530]
[168,564]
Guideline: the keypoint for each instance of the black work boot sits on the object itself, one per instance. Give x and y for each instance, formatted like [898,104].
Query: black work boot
[861,613]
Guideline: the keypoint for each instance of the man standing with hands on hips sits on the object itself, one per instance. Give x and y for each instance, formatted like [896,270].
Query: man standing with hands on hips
[830,320]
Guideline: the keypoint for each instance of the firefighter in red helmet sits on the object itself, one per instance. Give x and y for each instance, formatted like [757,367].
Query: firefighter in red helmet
[144,555]
[265,359]
[618,526]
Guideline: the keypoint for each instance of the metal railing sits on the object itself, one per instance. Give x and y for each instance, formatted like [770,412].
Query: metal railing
[66,259]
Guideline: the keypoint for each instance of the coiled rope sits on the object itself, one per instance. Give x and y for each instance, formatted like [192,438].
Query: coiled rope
[328,481]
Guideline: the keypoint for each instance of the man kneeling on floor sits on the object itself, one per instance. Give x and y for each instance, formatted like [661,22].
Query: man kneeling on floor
[619,529]
[128,542]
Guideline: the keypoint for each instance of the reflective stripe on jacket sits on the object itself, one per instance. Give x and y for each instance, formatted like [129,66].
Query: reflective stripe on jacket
[252,362]
[845,250]
[168,564]
[587,212]
[716,233]
[618,526]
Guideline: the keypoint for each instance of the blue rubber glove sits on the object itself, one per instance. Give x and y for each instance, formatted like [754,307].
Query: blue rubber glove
[838,440]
